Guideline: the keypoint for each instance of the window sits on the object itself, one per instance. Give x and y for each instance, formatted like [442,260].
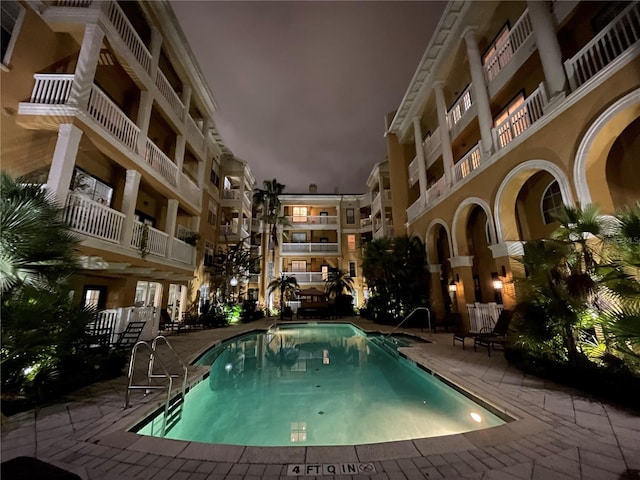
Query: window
[298,265]
[352,269]
[498,55]
[94,296]
[299,237]
[299,214]
[12,14]
[551,202]
[325,272]
[215,179]
[91,187]
[209,254]
[144,218]
[351,216]
[512,121]
[351,241]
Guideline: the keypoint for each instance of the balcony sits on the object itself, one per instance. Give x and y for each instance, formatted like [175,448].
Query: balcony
[460,108]
[414,172]
[366,223]
[308,277]
[432,146]
[618,37]
[521,119]
[467,164]
[92,219]
[169,94]
[307,221]
[437,190]
[306,248]
[415,209]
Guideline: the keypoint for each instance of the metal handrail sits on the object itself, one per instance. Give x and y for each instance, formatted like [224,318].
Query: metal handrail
[152,360]
[407,317]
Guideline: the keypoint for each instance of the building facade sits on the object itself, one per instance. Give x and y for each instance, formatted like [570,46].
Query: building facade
[515,109]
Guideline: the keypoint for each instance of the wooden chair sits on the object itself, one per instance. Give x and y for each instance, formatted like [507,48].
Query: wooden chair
[497,336]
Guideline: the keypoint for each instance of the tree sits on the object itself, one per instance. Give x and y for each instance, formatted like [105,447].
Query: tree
[268,199]
[287,286]
[231,261]
[338,283]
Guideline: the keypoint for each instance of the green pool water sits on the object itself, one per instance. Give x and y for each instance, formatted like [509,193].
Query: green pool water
[322,384]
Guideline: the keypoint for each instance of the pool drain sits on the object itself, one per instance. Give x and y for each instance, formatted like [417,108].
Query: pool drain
[317,386]
[320,412]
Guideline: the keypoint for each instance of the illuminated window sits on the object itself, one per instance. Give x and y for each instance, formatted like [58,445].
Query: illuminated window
[325,272]
[12,15]
[299,214]
[298,266]
[512,121]
[351,242]
[551,202]
[498,55]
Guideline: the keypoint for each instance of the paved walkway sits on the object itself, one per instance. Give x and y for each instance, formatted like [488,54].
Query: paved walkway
[559,434]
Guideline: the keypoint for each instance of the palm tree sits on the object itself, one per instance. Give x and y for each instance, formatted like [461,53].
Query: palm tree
[338,283]
[269,199]
[286,285]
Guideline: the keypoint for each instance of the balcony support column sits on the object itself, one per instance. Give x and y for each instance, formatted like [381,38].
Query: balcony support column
[445,139]
[144,118]
[129,197]
[462,271]
[86,66]
[63,161]
[154,50]
[172,220]
[181,145]
[422,170]
[186,101]
[481,96]
[546,39]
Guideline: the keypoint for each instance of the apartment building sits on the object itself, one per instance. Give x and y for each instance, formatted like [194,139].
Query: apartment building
[514,109]
[105,105]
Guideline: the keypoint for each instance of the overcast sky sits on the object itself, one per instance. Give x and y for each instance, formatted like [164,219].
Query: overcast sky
[303,87]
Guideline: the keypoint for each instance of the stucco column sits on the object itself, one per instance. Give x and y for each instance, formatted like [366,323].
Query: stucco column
[480,94]
[154,49]
[129,198]
[181,145]
[461,267]
[143,119]
[437,303]
[546,39]
[506,256]
[445,138]
[170,226]
[422,167]
[86,66]
[63,161]
[186,101]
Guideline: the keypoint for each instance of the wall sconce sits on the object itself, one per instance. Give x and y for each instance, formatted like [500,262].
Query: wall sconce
[452,287]
[497,284]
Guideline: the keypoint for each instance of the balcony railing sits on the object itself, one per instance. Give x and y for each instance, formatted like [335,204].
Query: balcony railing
[483,316]
[303,220]
[231,194]
[467,164]
[366,222]
[129,35]
[194,132]
[308,277]
[92,218]
[228,230]
[169,94]
[414,171]
[73,3]
[460,107]
[109,115]
[415,209]
[156,241]
[309,247]
[182,251]
[190,190]
[615,39]
[432,146]
[521,119]
[247,199]
[505,50]
[436,190]
[51,89]
[160,162]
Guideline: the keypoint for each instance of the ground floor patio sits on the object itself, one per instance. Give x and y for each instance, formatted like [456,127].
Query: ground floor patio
[558,434]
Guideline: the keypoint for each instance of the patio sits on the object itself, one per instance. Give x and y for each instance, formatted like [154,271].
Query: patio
[559,434]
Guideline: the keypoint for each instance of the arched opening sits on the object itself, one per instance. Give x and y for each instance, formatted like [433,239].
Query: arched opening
[538,200]
[443,253]
[623,167]
[483,268]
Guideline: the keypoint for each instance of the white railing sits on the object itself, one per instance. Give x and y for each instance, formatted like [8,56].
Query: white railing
[157,240]
[190,190]
[231,194]
[483,316]
[432,146]
[302,220]
[436,190]
[105,324]
[505,50]
[228,230]
[415,209]
[308,277]
[142,314]
[617,37]
[247,199]
[365,222]
[194,132]
[460,107]
[182,251]
[169,94]
[73,3]
[521,119]
[160,162]
[112,118]
[92,218]
[414,171]
[309,247]
[467,164]
[129,35]
[51,89]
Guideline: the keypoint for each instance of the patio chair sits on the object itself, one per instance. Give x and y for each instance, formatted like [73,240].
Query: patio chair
[460,334]
[129,336]
[497,336]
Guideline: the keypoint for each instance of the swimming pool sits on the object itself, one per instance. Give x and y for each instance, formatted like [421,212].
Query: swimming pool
[317,384]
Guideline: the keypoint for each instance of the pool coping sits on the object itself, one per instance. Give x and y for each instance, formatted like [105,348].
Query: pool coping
[118,434]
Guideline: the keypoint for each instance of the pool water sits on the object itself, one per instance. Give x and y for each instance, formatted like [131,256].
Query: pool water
[322,384]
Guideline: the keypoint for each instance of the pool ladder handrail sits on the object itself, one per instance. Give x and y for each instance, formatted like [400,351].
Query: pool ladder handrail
[408,316]
[150,368]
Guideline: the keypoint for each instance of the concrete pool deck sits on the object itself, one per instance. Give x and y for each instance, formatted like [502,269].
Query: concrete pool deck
[559,433]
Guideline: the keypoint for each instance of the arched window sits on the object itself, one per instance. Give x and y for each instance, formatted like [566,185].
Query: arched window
[551,202]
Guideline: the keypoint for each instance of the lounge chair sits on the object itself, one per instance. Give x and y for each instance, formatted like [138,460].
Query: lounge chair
[497,336]
[129,336]
[459,333]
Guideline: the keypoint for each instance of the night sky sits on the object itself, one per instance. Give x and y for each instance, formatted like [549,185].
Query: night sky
[303,87]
